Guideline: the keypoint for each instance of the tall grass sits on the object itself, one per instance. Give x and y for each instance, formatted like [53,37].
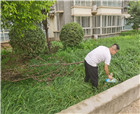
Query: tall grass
[31,97]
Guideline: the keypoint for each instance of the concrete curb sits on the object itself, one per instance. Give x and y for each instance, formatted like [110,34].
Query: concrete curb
[110,101]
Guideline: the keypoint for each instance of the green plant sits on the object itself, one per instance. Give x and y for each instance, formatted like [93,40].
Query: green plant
[71,34]
[31,44]
[134,11]
[130,32]
[23,14]
[29,96]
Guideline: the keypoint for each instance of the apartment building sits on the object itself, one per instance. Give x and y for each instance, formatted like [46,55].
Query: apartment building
[98,18]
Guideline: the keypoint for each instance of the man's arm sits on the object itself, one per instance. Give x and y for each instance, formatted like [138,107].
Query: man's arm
[107,71]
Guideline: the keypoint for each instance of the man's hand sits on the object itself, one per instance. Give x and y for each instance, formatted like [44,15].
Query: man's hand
[110,76]
[107,72]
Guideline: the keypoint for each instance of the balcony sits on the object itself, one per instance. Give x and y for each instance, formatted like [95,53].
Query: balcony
[105,10]
[81,11]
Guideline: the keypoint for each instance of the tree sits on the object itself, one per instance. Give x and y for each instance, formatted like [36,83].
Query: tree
[45,25]
[134,11]
[24,14]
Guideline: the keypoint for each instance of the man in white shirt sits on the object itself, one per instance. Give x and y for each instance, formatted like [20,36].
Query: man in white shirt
[96,56]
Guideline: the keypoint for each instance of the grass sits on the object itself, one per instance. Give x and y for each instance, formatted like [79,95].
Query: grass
[32,97]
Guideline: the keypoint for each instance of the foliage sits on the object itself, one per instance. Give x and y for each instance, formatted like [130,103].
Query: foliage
[71,34]
[31,44]
[23,14]
[130,32]
[134,11]
[33,97]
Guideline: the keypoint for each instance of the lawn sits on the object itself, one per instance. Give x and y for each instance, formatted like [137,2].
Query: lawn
[68,88]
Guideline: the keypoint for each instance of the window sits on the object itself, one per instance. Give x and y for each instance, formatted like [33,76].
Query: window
[96,31]
[83,21]
[117,3]
[105,3]
[103,30]
[78,20]
[4,36]
[108,30]
[104,19]
[118,20]
[109,2]
[88,3]
[87,31]
[110,24]
[112,3]
[109,20]
[113,30]
[97,2]
[113,20]
[77,2]
[97,21]
[83,2]
[94,21]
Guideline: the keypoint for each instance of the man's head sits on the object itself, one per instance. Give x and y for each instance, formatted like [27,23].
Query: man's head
[114,48]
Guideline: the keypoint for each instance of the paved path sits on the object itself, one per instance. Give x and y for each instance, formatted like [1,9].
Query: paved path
[133,108]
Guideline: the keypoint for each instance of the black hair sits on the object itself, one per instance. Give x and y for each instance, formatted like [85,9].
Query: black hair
[117,46]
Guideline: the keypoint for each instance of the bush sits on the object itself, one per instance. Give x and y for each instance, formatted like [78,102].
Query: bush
[71,34]
[130,32]
[30,43]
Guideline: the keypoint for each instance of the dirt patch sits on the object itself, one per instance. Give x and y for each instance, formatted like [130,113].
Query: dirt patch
[5,45]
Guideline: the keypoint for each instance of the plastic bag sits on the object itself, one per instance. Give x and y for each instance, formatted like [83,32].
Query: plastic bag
[114,80]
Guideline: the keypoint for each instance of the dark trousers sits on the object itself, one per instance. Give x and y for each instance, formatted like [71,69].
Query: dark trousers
[91,73]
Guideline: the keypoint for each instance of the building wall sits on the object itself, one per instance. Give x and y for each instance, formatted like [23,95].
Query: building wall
[97,17]
[51,27]
[67,12]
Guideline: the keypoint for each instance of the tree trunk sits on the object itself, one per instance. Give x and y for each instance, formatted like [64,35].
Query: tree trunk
[45,25]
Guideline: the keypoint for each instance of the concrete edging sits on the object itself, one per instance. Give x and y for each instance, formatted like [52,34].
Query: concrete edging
[110,101]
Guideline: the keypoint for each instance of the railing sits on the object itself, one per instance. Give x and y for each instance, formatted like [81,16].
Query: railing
[4,37]
[106,30]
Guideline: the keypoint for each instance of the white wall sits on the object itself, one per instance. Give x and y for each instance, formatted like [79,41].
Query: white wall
[111,11]
[81,11]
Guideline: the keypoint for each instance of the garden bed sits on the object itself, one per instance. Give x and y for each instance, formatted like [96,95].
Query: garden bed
[110,101]
[67,89]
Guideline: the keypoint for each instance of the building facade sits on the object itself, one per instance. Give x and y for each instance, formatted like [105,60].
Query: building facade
[98,18]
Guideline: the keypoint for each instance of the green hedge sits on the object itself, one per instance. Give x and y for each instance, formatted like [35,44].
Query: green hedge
[130,32]
[30,43]
[71,34]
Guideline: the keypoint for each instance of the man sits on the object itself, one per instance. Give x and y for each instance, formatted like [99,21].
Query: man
[96,56]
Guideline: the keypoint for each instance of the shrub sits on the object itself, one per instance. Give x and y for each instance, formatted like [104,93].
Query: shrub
[130,32]
[30,43]
[71,34]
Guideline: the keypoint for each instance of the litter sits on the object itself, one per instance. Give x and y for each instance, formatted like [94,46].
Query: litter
[114,80]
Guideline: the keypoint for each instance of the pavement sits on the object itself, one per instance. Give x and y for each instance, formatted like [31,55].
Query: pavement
[133,108]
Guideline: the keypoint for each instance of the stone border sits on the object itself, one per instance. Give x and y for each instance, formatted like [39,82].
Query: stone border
[110,101]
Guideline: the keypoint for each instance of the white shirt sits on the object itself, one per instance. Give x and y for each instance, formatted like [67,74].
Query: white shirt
[99,54]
